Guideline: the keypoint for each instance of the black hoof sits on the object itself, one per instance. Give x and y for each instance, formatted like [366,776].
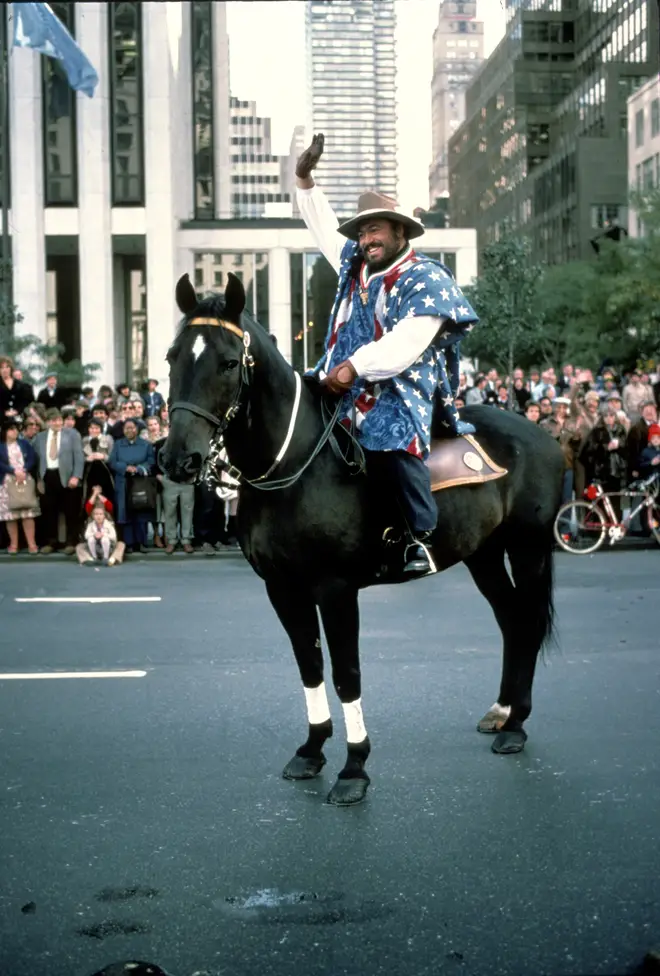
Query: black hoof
[303,767]
[508,742]
[347,792]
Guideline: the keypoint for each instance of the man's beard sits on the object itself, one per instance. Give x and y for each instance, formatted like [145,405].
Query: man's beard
[390,253]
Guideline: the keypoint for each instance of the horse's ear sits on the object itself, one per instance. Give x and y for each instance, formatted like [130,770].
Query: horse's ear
[234,298]
[185,295]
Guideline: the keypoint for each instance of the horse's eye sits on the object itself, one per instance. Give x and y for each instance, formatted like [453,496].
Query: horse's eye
[231,364]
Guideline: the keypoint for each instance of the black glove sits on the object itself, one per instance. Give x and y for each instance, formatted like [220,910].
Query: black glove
[310,158]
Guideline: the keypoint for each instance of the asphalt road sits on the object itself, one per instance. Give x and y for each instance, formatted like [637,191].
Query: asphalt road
[145,818]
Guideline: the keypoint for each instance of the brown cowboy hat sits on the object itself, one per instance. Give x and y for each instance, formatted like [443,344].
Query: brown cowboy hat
[380,207]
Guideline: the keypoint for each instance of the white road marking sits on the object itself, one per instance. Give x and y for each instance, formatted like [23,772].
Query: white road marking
[88,599]
[39,675]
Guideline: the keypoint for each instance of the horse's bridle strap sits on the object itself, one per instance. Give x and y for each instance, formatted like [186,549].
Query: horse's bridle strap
[229,326]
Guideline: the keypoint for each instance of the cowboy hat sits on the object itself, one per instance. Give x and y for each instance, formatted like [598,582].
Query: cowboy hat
[379,207]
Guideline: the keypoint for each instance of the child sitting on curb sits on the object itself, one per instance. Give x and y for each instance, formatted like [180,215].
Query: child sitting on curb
[100,545]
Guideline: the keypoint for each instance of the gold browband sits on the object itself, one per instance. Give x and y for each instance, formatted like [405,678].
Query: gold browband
[225,325]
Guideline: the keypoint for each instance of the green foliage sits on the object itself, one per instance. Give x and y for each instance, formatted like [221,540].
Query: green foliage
[505,297]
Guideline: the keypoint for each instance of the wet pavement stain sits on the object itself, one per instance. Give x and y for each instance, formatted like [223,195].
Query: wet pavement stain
[126,894]
[103,930]
[269,906]
[29,909]
[135,968]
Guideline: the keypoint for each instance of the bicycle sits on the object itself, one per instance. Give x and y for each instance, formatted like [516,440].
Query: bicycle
[581,527]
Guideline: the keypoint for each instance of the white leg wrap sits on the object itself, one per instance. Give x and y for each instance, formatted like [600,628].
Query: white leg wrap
[317,704]
[355,730]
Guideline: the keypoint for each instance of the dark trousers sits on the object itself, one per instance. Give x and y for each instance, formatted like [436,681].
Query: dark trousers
[208,515]
[134,533]
[408,479]
[56,499]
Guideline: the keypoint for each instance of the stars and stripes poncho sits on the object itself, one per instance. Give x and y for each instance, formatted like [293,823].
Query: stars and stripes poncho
[395,414]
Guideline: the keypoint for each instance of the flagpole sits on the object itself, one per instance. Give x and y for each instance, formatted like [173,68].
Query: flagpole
[4,108]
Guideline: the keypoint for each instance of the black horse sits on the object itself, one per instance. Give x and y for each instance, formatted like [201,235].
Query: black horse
[312,541]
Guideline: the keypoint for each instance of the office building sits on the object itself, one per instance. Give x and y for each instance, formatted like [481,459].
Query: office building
[458,50]
[351,88]
[543,147]
[643,145]
[255,171]
[113,198]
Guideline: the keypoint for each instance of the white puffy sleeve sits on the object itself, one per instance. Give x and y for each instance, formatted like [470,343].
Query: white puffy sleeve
[322,223]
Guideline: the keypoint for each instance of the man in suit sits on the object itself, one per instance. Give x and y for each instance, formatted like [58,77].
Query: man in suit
[52,395]
[61,464]
[153,400]
[638,438]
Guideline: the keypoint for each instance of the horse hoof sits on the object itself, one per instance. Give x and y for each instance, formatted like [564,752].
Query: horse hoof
[303,767]
[347,792]
[494,718]
[508,742]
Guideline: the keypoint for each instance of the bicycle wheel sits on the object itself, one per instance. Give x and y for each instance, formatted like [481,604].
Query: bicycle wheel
[580,528]
[654,520]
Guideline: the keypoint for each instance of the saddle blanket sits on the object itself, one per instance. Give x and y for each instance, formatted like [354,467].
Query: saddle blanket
[460,461]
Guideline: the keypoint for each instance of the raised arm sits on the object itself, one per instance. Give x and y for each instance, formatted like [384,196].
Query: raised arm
[314,206]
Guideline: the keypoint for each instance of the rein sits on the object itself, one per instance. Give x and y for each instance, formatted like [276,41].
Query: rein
[214,459]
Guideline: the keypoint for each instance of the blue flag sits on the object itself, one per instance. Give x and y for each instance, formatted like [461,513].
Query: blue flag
[36,26]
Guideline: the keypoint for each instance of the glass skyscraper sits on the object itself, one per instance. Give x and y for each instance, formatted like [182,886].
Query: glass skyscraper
[351,79]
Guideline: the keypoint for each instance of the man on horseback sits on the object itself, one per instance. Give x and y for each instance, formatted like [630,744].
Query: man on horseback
[392,345]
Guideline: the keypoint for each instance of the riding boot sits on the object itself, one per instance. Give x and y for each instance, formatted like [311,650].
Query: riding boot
[417,560]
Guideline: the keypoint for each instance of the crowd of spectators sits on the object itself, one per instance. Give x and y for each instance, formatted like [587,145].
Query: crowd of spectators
[79,474]
[604,424]
[79,470]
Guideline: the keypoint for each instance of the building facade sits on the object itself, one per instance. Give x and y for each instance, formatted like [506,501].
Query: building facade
[543,149]
[255,172]
[351,89]
[113,198]
[458,51]
[643,145]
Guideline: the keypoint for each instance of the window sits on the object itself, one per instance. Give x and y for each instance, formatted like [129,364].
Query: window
[212,268]
[639,128]
[125,27]
[655,117]
[59,124]
[202,62]
[604,215]
[648,174]
[313,287]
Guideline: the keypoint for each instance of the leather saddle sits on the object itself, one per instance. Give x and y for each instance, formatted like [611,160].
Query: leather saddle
[460,461]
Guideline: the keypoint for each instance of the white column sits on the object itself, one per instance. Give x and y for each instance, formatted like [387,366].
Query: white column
[162,48]
[279,290]
[97,337]
[221,127]
[26,220]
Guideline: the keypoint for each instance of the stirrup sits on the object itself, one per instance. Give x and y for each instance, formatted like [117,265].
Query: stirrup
[423,569]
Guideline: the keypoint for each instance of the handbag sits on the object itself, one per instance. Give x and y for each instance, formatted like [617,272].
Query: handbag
[23,496]
[142,492]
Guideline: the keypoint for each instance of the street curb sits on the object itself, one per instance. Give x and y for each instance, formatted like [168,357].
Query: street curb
[25,559]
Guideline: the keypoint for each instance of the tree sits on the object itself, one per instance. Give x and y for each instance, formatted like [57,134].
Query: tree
[505,297]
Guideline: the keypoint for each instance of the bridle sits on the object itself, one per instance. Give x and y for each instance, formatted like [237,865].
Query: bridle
[215,460]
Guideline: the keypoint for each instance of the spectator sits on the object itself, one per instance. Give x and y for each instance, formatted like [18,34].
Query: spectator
[635,395]
[545,403]
[83,413]
[503,397]
[477,393]
[164,417]
[127,412]
[567,378]
[52,396]
[97,497]
[152,431]
[604,455]
[69,418]
[649,459]
[534,380]
[17,461]
[174,492]
[131,456]
[29,430]
[100,545]
[61,464]
[638,438]
[459,402]
[521,396]
[563,428]
[138,408]
[100,414]
[492,380]
[153,400]
[615,403]
[533,412]
[586,410]
[97,448]
[15,395]
[37,412]
[123,391]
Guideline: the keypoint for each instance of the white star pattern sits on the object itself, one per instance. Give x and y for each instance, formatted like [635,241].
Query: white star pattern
[452,312]
[394,290]
[462,310]
[428,301]
[421,411]
[417,394]
[434,276]
[469,328]
[447,401]
[400,387]
[445,295]
[410,313]
[425,428]
[445,424]
[408,403]
[415,375]
[407,281]
[419,286]
[418,361]
[455,292]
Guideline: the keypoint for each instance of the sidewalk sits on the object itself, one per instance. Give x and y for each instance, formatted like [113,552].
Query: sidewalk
[24,557]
